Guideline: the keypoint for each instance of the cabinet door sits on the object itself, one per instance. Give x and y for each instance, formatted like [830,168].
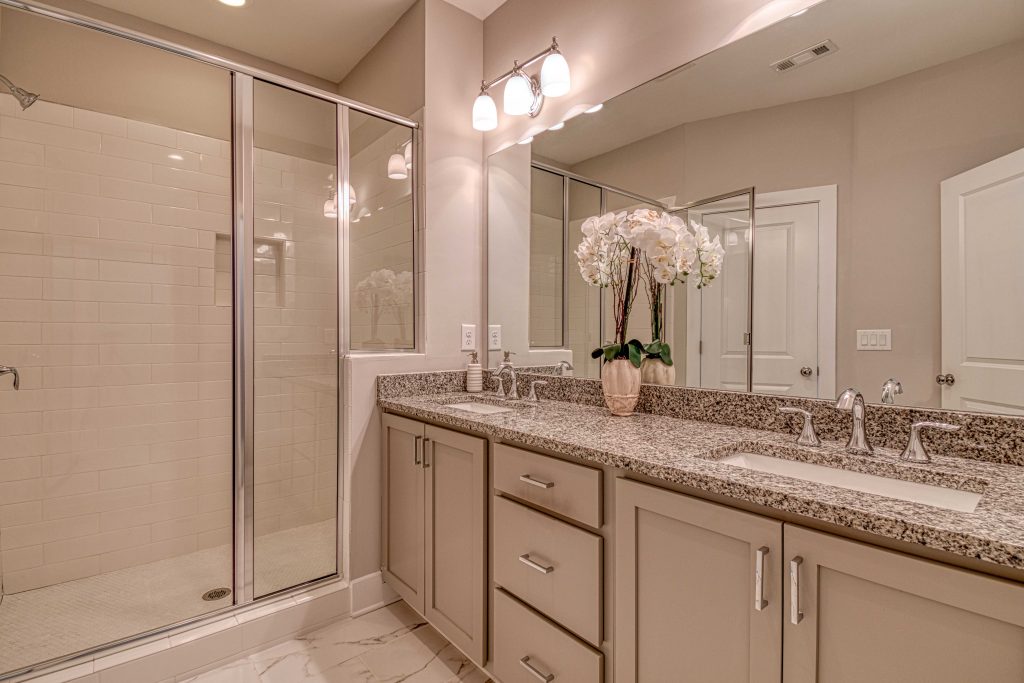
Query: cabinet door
[687,573]
[403,524]
[456,510]
[876,615]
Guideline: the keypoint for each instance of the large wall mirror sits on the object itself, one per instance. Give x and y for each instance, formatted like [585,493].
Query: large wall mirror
[862,165]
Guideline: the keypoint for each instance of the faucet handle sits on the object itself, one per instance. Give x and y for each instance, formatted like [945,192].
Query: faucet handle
[500,392]
[808,437]
[915,450]
[533,389]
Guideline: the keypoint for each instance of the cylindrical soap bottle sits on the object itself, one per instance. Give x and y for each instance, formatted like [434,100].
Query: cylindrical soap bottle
[474,374]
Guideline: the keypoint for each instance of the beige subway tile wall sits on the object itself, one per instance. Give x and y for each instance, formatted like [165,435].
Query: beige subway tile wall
[115,304]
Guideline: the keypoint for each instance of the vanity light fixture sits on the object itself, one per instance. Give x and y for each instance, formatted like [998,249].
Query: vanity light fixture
[596,108]
[397,169]
[331,206]
[523,94]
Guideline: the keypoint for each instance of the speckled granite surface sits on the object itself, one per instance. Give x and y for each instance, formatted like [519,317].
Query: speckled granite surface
[685,452]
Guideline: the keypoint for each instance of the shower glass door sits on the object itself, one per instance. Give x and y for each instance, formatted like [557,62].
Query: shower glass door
[116,309]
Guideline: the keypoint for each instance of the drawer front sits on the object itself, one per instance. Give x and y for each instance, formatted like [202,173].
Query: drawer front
[527,648]
[562,487]
[550,565]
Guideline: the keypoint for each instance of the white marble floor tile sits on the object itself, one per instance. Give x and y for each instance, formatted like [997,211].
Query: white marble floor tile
[389,645]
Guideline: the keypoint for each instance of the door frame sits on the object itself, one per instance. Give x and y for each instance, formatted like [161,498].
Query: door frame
[826,197]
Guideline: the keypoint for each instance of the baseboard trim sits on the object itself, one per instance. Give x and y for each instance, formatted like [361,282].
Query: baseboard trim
[369,593]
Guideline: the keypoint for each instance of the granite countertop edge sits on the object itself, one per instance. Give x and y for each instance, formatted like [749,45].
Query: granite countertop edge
[994,533]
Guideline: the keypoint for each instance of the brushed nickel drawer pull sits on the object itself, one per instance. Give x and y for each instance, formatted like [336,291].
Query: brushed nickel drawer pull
[795,615]
[547,678]
[525,559]
[428,449]
[759,602]
[526,478]
[417,451]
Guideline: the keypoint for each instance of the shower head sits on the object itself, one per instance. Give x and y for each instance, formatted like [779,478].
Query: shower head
[25,98]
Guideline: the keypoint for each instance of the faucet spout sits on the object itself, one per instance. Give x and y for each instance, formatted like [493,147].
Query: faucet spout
[852,401]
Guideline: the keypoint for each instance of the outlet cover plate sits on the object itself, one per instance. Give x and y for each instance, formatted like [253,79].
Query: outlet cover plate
[494,338]
[468,337]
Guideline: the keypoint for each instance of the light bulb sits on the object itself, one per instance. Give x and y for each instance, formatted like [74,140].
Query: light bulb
[596,108]
[485,113]
[331,208]
[554,75]
[396,167]
[518,95]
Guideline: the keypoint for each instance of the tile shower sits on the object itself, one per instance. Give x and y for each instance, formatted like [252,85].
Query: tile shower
[121,473]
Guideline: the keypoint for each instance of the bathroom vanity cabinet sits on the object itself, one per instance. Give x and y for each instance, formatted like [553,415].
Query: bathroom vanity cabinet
[434,527]
[591,576]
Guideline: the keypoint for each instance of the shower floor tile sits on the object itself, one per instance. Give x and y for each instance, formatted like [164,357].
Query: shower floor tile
[390,644]
[42,624]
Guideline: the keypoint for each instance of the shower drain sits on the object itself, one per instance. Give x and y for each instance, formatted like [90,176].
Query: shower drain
[216,594]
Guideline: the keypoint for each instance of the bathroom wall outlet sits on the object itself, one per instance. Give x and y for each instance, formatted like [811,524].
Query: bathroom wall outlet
[494,338]
[468,337]
[874,340]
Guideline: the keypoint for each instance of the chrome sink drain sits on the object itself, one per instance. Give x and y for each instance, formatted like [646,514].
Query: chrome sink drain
[216,594]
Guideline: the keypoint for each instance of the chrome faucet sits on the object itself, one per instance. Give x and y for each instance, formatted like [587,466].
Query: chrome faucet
[890,390]
[808,437]
[915,450]
[7,370]
[513,392]
[852,401]
[564,365]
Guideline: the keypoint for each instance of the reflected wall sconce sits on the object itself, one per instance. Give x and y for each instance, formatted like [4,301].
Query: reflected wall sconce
[400,162]
[523,94]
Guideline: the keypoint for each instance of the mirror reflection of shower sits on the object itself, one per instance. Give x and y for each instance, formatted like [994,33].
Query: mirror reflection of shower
[25,98]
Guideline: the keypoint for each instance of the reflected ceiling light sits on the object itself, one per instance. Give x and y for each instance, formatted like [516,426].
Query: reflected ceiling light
[596,108]
[558,126]
[233,3]
[407,154]
[554,73]
[396,167]
[523,94]
[526,141]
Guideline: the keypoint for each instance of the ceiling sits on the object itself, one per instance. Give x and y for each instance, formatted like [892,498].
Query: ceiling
[877,41]
[481,9]
[326,38]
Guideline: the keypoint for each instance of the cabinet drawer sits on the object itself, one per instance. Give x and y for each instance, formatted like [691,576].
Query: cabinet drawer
[527,647]
[562,487]
[550,565]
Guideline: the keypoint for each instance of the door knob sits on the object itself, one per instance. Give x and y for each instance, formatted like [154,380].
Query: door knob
[7,370]
[948,379]
[806,371]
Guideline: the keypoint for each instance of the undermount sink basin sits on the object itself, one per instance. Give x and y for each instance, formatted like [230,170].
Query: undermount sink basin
[480,408]
[926,494]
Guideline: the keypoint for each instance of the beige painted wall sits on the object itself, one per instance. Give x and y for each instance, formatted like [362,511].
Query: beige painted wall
[611,45]
[887,147]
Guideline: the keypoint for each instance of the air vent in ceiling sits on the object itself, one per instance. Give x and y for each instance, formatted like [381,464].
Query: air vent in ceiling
[818,51]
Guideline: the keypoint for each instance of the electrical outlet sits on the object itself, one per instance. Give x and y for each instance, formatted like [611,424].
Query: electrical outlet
[494,338]
[874,340]
[468,337]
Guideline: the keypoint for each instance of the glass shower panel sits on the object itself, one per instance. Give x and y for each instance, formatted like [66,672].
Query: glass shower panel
[584,324]
[115,307]
[381,235]
[295,504]
[547,248]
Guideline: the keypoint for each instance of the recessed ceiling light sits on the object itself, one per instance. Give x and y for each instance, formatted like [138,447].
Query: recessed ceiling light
[558,126]
[596,108]
[526,141]
[232,3]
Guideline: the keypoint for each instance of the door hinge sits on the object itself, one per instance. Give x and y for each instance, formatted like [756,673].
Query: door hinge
[700,347]
[746,339]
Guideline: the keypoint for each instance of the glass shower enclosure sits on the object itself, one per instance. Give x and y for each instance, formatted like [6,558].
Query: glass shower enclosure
[174,237]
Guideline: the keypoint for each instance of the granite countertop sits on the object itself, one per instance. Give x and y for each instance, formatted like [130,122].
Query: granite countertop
[686,451]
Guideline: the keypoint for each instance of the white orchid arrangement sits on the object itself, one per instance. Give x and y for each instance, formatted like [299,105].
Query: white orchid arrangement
[619,249]
[384,288]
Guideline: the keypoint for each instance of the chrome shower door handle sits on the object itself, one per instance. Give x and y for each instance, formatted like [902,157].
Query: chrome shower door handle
[8,370]
[759,602]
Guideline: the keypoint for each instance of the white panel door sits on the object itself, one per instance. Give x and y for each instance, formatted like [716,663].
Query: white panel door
[786,300]
[983,287]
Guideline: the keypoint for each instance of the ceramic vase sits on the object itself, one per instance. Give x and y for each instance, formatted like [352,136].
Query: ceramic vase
[654,371]
[620,381]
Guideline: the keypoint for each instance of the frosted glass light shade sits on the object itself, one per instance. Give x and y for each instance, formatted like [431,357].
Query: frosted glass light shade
[331,208]
[518,95]
[396,167]
[554,75]
[485,113]
[407,154]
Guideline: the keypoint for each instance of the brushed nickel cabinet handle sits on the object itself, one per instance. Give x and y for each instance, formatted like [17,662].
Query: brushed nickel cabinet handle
[547,678]
[526,478]
[428,450]
[759,602]
[417,451]
[525,559]
[795,615]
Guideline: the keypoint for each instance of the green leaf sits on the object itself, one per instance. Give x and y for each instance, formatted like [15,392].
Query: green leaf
[666,354]
[636,354]
[597,353]
[611,352]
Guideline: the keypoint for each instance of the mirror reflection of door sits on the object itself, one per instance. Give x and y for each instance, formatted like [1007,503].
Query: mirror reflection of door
[982,243]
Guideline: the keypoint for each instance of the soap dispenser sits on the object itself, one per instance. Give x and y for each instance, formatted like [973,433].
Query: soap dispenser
[474,374]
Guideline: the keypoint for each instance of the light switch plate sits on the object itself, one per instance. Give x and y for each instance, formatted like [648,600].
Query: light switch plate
[494,338]
[874,340]
[468,337]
